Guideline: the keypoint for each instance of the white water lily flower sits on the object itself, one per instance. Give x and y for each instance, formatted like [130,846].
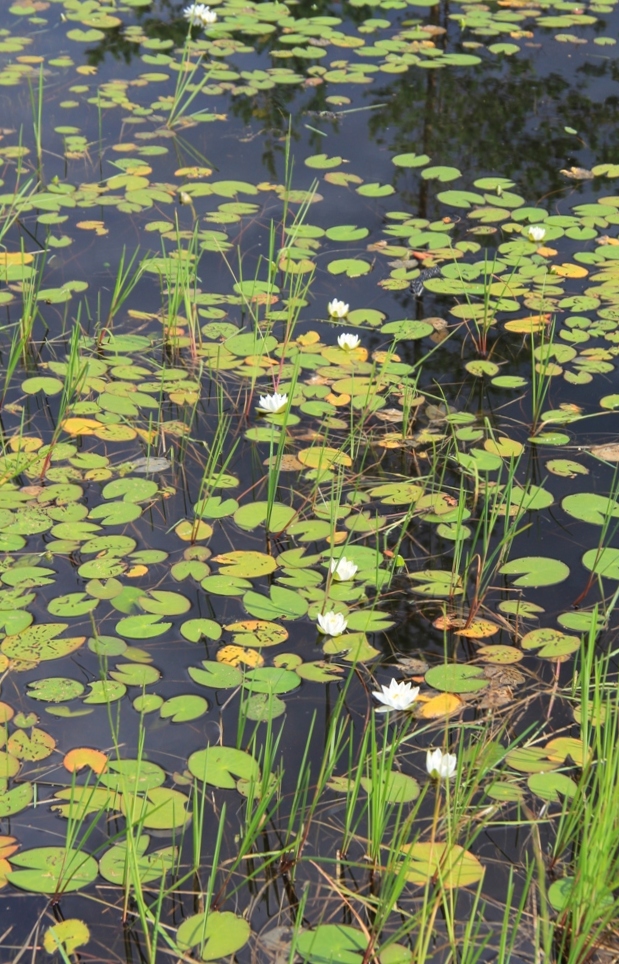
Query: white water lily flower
[337,309]
[331,624]
[536,233]
[396,696]
[272,404]
[199,15]
[441,766]
[348,341]
[343,569]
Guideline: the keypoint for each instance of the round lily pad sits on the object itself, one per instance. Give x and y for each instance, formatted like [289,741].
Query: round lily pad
[456,678]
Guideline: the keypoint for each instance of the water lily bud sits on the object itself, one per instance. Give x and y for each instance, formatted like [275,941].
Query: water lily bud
[536,233]
[337,309]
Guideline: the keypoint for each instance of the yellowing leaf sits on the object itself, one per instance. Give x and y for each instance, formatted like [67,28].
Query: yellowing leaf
[337,400]
[445,704]
[237,656]
[8,846]
[524,326]
[15,257]
[6,712]
[451,865]
[337,538]
[193,531]
[86,70]
[479,629]
[566,270]
[97,226]
[5,870]
[309,338]
[136,571]
[323,457]
[80,426]
[504,447]
[83,756]
[25,443]
[68,934]
[193,172]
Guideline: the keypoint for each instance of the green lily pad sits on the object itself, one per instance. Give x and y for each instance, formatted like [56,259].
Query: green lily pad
[217,934]
[590,507]
[281,603]
[271,679]
[550,643]
[130,490]
[117,867]
[160,809]
[55,689]
[552,786]
[533,571]
[223,766]
[456,678]
[332,944]
[183,708]
[142,627]
[52,870]
[73,604]
[394,787]
[262,707]
[134,674]
[219,676]
[603,562]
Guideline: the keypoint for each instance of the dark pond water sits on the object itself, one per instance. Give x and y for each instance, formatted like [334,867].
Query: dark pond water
[401,219]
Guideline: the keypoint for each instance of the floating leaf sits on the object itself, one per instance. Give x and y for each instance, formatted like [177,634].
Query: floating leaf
[120,867]
[55,689]
[142,627]
[452,865]
[84,756]
[216,675]
[247,564]
[263,707]
[456,678]
[536,571]
[217,934]
[271,679]
[67,934]
[590,507]
[258,633]
[196,629]
[552,786]
[395,787]
[33,746]
[551,643]
[218,766]
[330,943]
[53,870]
[603,562]
[446,704]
